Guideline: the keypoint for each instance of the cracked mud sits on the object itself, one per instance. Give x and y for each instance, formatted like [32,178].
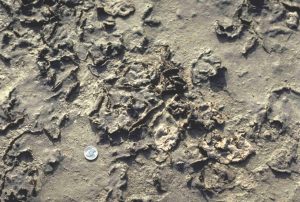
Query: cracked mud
[184,100]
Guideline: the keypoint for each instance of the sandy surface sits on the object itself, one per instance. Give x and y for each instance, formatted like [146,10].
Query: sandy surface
[185,100]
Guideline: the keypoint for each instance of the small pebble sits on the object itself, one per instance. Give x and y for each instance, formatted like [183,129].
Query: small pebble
[90,153]
[179,13]
[292,20]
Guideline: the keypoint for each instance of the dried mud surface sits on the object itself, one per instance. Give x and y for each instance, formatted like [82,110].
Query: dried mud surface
[185,100]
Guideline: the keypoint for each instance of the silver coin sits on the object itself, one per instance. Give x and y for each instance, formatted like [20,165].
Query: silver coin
[90,153]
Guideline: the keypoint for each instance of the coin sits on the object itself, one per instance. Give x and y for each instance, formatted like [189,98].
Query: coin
[90,153]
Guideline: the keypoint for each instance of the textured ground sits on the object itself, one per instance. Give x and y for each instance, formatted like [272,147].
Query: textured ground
[185,100]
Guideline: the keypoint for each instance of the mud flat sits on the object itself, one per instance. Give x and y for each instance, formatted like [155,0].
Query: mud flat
[184,100]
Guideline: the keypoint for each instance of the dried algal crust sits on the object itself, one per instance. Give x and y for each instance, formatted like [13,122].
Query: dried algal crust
[118,8]
[227,149]
[250,45]
[283,158]
[229,31]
